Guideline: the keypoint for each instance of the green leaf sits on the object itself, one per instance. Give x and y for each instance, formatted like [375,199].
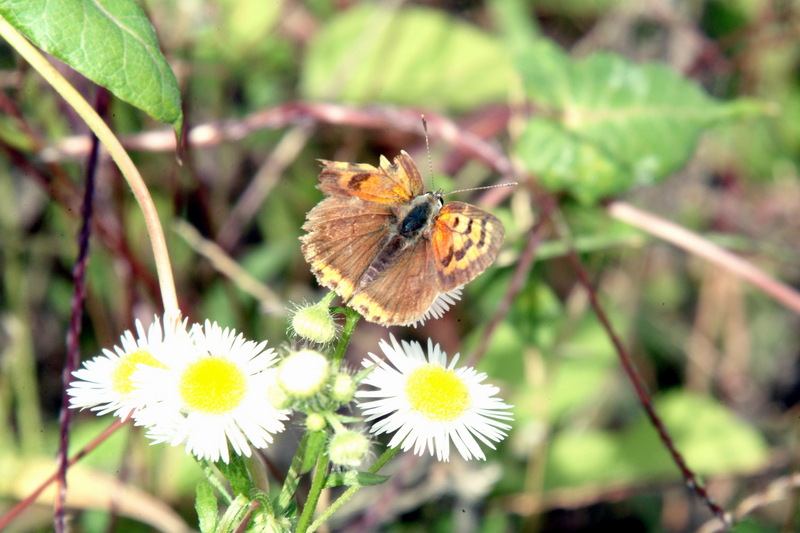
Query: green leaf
[414,56]
[236,473]
[206,506]
[582,371]
[236,512]
[243,25]
[352,478]
[111,42]
[605,125]
[711,439]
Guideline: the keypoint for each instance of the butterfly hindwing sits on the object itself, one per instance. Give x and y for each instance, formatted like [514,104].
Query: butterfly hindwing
[404,292]
[465,239]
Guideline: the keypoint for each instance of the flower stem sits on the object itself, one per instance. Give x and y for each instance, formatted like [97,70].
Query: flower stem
[318,483]
[350,492]
[351,319]
[293,475]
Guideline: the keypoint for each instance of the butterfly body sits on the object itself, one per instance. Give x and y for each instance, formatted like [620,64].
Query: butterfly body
[413,222]
[387,247]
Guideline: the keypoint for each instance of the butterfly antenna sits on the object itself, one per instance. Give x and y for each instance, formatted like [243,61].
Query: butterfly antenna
[427,147]
[430,165]
[507,184]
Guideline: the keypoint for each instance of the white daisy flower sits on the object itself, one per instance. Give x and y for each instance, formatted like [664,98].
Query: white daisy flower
[104,383]
[429,403]
[212,396]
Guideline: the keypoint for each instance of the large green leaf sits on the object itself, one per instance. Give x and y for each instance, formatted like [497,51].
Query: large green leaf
[111,42]
[413,56]
[711,439]
[604,124]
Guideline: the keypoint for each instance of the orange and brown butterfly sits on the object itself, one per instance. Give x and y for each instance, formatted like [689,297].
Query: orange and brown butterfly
[388,248]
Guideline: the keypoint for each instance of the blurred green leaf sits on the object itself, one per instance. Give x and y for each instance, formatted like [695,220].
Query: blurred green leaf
[605,125]
[584,367]
[710,437]
[111,42]
[576,8]
[415,56]
[244,25]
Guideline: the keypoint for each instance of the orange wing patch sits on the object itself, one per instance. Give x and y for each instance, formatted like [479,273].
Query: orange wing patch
[465,242]
[392,183]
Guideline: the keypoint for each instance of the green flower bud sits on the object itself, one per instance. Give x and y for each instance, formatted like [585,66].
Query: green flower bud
[348,449]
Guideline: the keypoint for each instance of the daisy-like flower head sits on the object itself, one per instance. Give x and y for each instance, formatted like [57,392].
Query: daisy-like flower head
[211,396]
[104,383]
[427,403]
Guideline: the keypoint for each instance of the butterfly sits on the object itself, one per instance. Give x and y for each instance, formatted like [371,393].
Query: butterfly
[388,248]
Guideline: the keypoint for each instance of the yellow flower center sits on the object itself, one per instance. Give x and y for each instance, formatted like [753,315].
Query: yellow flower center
[437,393]
[212,385]
[126,366]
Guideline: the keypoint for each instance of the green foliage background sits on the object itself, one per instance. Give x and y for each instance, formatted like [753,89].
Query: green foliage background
[678,108]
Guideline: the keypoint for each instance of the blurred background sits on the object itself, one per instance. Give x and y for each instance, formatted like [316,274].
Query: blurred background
[686,110]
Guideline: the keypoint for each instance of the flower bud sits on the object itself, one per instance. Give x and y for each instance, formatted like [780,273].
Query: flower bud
[343,388]
[314,323]
[303,374]
[315,422]
[348,449]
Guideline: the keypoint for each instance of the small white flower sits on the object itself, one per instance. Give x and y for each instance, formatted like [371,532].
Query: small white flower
[212,396]
[429,403]
[104,383]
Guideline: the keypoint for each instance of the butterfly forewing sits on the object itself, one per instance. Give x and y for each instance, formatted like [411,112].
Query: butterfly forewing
[343,236]
[392,183]
[465,241]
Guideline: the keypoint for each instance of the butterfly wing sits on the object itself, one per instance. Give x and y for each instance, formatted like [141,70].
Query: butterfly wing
[392,183]
[465,241]
[405,290]
[343,238]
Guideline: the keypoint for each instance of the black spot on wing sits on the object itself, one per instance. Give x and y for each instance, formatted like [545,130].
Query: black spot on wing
[448,258]
[356,181]
[462,252]
[482,239]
